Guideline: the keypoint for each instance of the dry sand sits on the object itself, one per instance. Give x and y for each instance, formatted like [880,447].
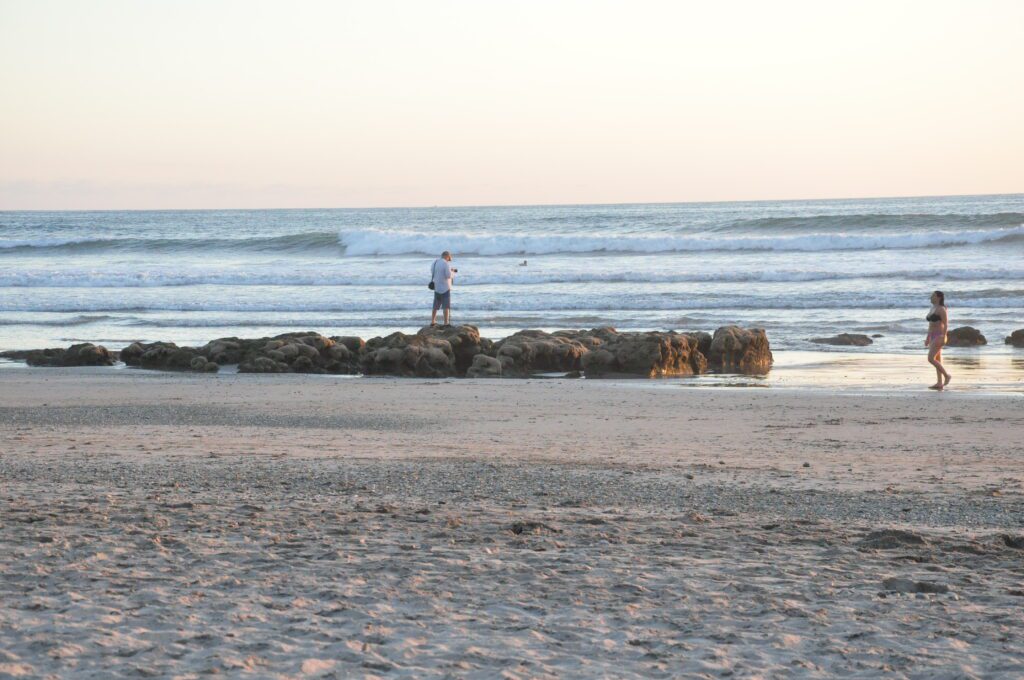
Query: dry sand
[156,525]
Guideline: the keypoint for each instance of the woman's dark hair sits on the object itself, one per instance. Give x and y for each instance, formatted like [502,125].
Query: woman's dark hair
[942,297]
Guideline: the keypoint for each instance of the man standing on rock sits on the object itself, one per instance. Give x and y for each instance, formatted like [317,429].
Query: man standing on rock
[441,276]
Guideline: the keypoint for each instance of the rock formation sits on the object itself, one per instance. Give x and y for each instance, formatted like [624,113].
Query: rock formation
[1016,338]
[846,339]
[965,336]
[447,351]
[645,355]
[530,351]
[84,354]
[304,352]
[484,366]
[166,356]
[415,356]
[740,350]
[465,342]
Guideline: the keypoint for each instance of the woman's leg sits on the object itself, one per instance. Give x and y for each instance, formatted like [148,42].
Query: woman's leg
[945,373]
[933,358]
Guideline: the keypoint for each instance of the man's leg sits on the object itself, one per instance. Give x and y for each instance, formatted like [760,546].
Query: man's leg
[447,308]
[433,313]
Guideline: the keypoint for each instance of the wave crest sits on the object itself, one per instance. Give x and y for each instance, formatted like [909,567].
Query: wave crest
[374,242]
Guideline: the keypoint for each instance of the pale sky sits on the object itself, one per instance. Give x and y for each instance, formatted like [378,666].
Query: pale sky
[237,104]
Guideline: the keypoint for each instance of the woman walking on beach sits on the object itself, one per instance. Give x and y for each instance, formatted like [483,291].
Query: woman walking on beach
[938,324]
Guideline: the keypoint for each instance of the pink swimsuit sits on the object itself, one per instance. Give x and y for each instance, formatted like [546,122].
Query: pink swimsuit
[936,334]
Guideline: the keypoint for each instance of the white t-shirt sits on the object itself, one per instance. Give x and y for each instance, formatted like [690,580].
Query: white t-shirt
[442,275]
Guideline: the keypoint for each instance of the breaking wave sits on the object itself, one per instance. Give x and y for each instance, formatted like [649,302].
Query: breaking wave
[371,242]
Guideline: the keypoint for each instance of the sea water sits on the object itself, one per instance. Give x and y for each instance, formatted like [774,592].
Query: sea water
[800,269]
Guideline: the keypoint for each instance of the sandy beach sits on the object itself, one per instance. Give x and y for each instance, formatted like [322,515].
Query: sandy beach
[163,525]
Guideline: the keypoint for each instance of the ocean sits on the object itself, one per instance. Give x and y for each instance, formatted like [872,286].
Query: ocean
[800,269]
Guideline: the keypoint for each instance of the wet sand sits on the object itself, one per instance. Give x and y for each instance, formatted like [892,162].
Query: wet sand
[300,526]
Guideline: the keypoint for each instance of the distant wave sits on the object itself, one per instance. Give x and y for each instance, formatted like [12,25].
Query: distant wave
[377,242]
[78,320]
[782,234]
[122,276]
[290,243]
[866,222]
[469,306]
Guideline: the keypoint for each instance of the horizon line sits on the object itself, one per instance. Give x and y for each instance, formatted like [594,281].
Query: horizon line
[521,205]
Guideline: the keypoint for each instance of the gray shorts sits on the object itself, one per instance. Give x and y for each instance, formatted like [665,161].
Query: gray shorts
[443,300]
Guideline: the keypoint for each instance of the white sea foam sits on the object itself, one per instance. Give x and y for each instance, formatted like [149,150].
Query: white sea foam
[469,305]
[10,244]
[368,242]
[143,276]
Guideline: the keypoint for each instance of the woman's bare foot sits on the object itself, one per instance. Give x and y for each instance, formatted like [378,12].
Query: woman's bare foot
[936,386]
[948,378]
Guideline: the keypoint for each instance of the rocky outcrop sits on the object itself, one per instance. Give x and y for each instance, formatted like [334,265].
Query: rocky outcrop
[703,341]
[528,352]
[740,350]
[418,356]
[84,354]
[845,339]
[304,352]
[166,356]
[447,351]
[484,366]
[645,355]
[965,336]
[1016,338]
[227,350]
[465,342]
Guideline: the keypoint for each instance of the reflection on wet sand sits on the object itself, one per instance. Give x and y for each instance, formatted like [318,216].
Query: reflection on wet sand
[994,372]
[970,363]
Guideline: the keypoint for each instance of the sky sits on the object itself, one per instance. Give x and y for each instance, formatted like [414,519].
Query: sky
[125,104]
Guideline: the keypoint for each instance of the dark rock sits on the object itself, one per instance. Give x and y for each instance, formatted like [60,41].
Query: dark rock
[302,365]
[905,585]
[848,339]
[204,365]
[1016,338]
[1011,541]
[351,343]
[167,356]
[263,364]
[83,354]
[703,340]
[645,355]
[965,336]
[877,335]
[484,366]
[226,350]
[533,351]
[421,356]
[890,539]
[303,352]
[444,351]
[528,527]
[740,350]
[465,342]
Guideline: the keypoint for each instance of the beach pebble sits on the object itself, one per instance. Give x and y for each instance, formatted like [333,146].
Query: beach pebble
[889,539]
[904,585]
